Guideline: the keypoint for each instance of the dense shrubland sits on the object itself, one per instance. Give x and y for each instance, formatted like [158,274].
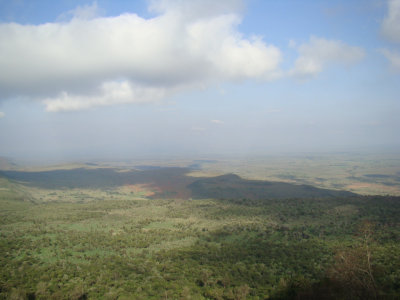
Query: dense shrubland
[130,247]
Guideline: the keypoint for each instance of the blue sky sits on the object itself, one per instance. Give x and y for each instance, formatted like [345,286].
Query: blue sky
[123,79]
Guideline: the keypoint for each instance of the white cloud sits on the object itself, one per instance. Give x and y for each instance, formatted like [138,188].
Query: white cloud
[195,9]
[85,12]
[292,43]
[109,93]
[90,61]
[1,114]
[319,52]
[391,22]
[217,122]
[391,31]
[393,57]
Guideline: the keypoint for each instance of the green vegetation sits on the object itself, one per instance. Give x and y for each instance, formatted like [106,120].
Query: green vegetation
[231,186]
[116,243]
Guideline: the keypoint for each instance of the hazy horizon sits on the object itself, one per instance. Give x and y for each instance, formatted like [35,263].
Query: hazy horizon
[117,80]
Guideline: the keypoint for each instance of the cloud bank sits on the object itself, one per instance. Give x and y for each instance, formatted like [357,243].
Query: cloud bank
[109,93]
[393,57]
[391,22]
[84,60]
[319,52]
[90,61]
[390,29]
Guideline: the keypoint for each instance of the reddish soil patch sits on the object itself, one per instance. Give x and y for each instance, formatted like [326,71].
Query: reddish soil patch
[146,189]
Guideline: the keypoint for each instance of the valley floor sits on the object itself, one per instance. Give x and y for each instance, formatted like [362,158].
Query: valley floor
[119,244]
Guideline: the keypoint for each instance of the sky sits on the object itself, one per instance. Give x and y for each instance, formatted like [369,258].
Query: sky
[124,79]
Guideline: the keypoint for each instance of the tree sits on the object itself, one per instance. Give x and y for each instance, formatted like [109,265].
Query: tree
[353,270]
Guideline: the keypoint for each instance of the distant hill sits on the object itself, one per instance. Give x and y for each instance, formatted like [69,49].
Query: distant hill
[171,183]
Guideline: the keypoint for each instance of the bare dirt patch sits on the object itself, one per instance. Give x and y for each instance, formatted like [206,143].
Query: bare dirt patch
[146,190]
[366,188]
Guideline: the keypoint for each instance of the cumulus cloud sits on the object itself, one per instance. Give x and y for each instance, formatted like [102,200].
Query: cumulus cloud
[86,12]
[390,29]
[92,61]
[319,52]
[109,93]
[391,22]
[1,114]
[393,57]
[195,9]
[217,122]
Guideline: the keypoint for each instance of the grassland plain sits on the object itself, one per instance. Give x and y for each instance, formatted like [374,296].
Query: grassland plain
[119,242]
[361,173]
